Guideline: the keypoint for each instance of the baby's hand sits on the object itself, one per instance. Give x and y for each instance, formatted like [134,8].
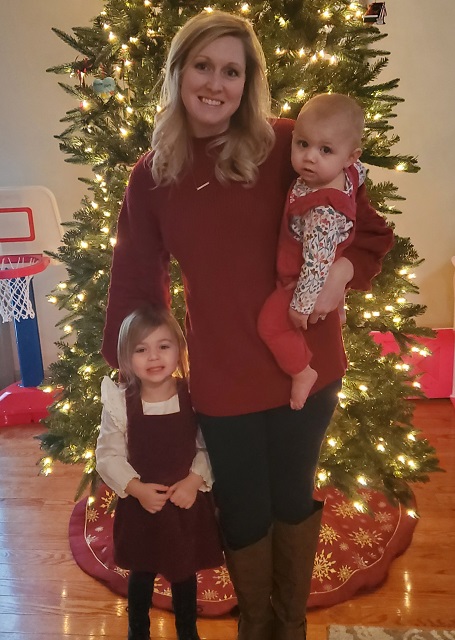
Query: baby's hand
[299,320]
[183,493]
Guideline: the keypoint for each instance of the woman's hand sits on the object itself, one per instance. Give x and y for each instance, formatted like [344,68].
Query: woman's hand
[183,493]
[332,293]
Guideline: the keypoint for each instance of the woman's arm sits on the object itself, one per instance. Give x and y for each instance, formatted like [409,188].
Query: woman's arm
[139,271]
[372,241]
[361,260]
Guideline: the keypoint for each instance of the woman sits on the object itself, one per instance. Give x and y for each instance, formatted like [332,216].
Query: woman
[211,194]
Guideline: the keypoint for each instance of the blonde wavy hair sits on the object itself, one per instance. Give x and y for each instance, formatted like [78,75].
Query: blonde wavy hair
[138,325]
[250,137]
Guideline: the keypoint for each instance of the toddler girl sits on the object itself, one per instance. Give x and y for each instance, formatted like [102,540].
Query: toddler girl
[150,452]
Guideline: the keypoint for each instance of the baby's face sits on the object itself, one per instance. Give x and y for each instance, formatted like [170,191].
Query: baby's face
[321,148]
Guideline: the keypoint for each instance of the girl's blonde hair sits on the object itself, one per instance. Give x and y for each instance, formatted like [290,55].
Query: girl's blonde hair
[135,328]
[250,137]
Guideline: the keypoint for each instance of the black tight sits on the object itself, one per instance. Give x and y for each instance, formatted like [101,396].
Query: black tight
[140,591]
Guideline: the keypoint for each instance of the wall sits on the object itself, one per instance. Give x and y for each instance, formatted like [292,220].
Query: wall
[419,41]
[31,107]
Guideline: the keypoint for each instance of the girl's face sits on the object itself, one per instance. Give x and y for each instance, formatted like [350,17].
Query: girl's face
[212,85]
[156,357]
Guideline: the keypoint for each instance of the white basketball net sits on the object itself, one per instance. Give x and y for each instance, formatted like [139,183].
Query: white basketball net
[15,303]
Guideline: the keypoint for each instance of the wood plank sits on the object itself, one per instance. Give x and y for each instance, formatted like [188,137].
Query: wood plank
[44,595]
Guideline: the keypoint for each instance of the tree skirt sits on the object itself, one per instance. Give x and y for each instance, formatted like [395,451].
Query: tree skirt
[354,553]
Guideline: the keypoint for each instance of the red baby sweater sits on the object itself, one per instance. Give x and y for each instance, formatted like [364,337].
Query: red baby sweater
[225,239]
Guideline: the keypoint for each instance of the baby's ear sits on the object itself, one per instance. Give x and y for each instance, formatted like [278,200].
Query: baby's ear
[355,155]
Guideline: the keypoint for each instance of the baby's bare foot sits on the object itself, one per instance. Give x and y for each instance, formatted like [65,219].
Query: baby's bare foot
[302,384]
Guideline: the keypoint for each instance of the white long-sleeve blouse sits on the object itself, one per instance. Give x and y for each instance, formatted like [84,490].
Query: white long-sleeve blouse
[112,446]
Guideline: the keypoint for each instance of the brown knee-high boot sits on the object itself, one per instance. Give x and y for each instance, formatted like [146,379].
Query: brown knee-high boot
[294,549]
[250,569]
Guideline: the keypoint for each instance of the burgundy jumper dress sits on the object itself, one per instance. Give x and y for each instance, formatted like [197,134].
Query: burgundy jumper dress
[174,542]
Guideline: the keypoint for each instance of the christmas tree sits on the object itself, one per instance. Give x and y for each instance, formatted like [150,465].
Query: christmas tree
[311,47]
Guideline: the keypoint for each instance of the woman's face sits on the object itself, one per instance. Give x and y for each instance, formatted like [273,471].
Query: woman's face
[212,85]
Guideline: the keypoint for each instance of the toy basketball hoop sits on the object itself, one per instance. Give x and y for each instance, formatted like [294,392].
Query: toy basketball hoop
[16,273]
[29,224]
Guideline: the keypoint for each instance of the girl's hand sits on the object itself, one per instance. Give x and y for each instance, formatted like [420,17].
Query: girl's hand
[332,293]
[152,496]
[183,493]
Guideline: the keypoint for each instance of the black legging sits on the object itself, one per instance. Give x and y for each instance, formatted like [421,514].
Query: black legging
[264,465]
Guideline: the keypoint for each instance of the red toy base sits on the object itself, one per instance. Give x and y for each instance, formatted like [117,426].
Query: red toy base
[23,405]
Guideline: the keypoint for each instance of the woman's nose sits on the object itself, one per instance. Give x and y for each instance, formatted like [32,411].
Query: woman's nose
[214,81]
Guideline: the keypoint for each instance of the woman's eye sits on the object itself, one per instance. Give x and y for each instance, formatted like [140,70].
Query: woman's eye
[232,73]
[201,66]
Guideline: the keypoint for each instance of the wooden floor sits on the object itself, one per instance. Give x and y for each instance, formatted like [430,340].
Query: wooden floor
[44,594]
